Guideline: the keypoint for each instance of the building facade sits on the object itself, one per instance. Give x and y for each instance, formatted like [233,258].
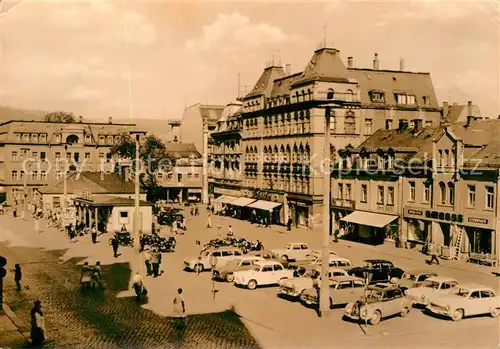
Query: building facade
[283,120]
[34,152]
[424,184]
[183,181]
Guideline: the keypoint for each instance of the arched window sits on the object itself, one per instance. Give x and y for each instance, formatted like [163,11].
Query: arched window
[282,154]
[294,154]
[350,123]
[442,188]
[275,154]
[349,95]
[301,154]
[330,94]
[71,139]
[287,153]
[451,193]
[296,96]
[309,94]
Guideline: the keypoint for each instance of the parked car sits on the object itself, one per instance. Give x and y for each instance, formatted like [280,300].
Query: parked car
[380,302]
[266,254]
[414,278]
[378,270]
[314,258]
[430,288]
[262,273]
[222,255]
[343,289]
[292,288]
[466,300]
[226,271]
[293,251]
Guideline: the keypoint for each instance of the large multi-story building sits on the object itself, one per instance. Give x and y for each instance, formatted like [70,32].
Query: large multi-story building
[283,121]
[416,185]
[33,152]
[226,168]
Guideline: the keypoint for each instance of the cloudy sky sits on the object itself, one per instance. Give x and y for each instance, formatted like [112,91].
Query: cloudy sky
[148,59]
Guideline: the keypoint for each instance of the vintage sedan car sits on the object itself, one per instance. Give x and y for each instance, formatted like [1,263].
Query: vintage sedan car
[380,302]
[262,273]
[430,288]
[377,270]
[226,271]
[343,289]
[292,288]
[466,300]
[315,258]
[414,278]
[293,251]
[221,255]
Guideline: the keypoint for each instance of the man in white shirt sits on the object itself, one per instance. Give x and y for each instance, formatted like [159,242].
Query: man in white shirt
[137,285]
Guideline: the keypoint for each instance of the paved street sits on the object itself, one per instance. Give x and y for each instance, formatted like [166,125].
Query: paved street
[114,319]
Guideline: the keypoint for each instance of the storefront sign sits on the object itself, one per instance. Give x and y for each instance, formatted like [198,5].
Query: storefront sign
[445,216]
[224,191]
[415,212]
[343,203]
[261,195]
[478,220]
[298,203]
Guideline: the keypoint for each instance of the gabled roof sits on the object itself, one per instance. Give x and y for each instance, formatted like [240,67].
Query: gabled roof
[182,150]
[94,182]
[265,83]
[282,86]
[458,113]
[325,65]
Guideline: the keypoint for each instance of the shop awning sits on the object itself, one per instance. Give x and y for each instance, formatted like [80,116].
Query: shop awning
[264,205]
[368,218]
[225,199]
[242,201]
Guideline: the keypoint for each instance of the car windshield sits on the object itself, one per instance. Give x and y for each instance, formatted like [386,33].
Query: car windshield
[288,247]
[408,276]
[462,292]
[256,268]
[430,284]
[374,296]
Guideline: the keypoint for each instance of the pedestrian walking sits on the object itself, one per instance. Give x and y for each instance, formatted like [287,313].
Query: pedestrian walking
[18,275]
[97,276]
[147,261]
[433,251]
[155,262]
[230,232]
[336,234]
[179,314]
[209,220]
[289,224]
[174,227]
[36,222]
[138,285]
[114,243]
[93,233]
[37,333]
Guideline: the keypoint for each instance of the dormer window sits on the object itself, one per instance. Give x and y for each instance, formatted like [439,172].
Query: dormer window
[406,99]
[88,138]
[377,97]
[426,100]
[101,139]
[57,137]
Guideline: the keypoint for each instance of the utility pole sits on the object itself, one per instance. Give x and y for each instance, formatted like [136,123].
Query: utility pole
[65,188]
[137,224]
[324,295]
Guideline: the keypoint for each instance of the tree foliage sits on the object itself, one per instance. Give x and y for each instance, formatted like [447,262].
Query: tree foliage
[153,158]
[60,116]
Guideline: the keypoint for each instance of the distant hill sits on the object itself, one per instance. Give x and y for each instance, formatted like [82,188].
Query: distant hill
[8,113]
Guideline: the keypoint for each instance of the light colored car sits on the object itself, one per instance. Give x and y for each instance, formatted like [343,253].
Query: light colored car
[379,303]
[262,273]
[220,255]
[293,251]
[343,289]
[315,259]
[226,271]
[414,278]
[430,288]
[466,300]
[292,288]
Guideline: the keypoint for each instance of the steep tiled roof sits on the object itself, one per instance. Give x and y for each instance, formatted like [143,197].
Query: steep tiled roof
[266,81]
[390,82]
[458,113]
[94,182]
[182,150]
[325,65]
[282,86]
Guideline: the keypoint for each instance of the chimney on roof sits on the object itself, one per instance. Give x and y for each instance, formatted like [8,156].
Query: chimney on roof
[349,62]
[80,119]
[401,64]
[110,120]
[470,118]
[288,69]
[446,108]
[375,61]
[469,108]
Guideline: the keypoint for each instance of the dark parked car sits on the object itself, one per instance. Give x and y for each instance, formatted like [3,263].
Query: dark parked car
[377,270]
[168,217]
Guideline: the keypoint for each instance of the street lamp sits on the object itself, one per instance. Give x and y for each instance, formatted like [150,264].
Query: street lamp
[65,188]
[136,223]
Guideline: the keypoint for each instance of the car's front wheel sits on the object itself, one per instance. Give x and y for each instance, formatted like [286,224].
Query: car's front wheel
[284,258]
[495,312]
[252,285]
[376,317]
[198,268]
[405,311]
[458,315]
[230,277]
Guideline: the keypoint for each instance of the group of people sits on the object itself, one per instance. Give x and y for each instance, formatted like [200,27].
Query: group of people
[179,226]
[152,260]
[91,276]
